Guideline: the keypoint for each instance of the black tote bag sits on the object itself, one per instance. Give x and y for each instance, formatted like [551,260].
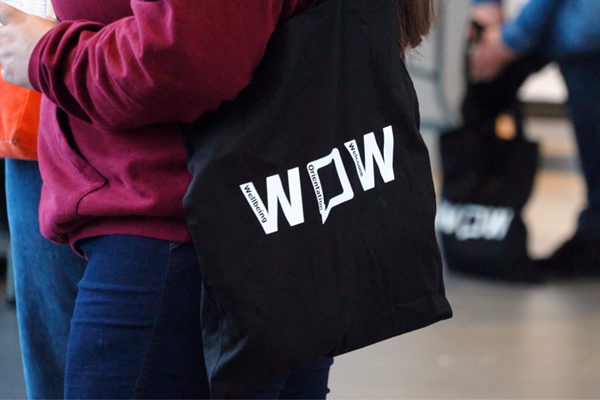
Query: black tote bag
[312,206]
[489,169]
[487,182]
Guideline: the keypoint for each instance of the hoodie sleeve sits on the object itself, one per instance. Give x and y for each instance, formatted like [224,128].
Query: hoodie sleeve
[173,60]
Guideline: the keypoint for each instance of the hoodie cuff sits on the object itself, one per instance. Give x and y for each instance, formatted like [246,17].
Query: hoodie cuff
[34,67]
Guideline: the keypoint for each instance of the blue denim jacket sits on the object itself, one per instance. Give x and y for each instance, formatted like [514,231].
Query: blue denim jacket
[555,27]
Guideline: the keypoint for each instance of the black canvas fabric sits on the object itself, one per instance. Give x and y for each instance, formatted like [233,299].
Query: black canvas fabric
[487,180]
[330,265]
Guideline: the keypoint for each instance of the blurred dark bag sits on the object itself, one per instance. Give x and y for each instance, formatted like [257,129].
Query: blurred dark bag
[488,174]
[312,205]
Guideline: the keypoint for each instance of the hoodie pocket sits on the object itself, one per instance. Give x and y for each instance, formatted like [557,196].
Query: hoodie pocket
[68,177]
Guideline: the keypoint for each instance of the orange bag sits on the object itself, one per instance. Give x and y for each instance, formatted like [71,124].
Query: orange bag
[19,121]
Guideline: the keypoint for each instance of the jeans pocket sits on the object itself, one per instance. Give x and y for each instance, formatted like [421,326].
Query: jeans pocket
[68,179]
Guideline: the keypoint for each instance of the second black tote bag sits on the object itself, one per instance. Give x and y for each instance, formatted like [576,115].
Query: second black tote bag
[312,205]
[489,167]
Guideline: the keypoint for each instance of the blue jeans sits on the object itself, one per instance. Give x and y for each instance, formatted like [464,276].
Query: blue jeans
[46,277]
[582,76]
[136,327]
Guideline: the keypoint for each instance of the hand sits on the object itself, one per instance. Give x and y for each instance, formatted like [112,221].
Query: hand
[19,33]
[490,55]
[487,13]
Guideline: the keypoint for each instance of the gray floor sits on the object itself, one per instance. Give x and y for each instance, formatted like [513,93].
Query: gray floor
[505,341]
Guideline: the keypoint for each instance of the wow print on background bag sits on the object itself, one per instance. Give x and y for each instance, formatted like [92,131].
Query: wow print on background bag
[488,170]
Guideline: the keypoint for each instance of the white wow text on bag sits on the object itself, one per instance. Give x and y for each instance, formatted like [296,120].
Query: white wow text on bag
[474,221]
[293,207]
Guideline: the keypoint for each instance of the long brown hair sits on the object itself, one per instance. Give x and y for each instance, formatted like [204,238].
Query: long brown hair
[414,21]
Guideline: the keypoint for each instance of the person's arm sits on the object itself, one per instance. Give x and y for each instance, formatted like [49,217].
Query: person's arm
[173,60]
[576,28]
[487,12]
[501,44]
[570,27]
[490,54]
[524,32]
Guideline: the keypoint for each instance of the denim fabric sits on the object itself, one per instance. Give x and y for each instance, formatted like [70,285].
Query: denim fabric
[582,76]
[46,277]
[136,327]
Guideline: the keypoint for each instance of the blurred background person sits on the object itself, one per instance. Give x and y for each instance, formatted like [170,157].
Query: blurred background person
[568,32]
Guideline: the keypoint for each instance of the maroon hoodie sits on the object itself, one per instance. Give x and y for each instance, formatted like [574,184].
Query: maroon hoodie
[118,78]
